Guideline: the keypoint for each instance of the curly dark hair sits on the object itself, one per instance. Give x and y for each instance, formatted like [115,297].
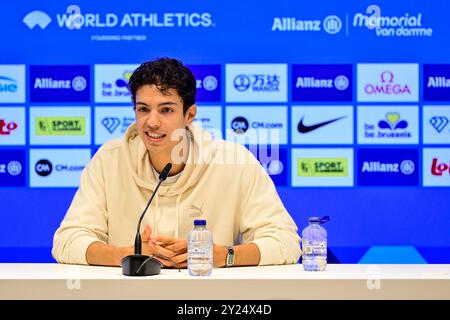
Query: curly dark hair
[165,73]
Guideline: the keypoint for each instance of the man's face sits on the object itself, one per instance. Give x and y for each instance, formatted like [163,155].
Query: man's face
[158,115]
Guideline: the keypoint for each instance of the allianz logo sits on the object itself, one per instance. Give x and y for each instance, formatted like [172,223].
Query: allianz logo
[406,167]
[14,168]
[331,24]
[341,83]
[209,83]
[78,83]
[436,82]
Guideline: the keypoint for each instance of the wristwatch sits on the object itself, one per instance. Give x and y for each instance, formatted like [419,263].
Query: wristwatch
[230,257]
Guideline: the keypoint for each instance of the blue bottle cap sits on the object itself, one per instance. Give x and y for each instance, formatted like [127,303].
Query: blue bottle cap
[320,220]
[199,222]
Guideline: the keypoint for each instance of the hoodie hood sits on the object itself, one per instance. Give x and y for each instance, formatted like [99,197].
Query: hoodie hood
[138,160]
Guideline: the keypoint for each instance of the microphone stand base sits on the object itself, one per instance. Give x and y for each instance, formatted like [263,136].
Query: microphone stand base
[138,265]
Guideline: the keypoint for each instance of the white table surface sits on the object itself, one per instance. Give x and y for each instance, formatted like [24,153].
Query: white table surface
[340,281]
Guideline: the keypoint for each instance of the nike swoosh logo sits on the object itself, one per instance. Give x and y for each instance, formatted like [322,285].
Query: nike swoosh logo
[305,129]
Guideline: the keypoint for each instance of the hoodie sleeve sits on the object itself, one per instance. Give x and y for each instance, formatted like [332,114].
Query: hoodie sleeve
[266,222]
[86,220]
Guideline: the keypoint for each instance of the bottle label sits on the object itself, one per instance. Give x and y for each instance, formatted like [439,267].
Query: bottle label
[319,248]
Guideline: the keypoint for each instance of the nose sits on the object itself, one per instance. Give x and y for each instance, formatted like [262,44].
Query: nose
[153,120]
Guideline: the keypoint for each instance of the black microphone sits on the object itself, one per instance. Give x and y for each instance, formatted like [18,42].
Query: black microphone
[138,264]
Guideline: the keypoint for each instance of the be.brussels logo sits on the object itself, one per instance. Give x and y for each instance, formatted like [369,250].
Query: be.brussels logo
[208,78]
[112,122]
[70,83]
[12,126]
[256,82]
[12,83]
[12,168]
[322,83]
[57,167]
[330,24]
[60,125]
[436,167]
[436,124]
[274,162]
[111,82]
[388,125]
[322,125]
[210,119]
[388,82]
[436,82]
[257,125]
[322,167]
[388,167]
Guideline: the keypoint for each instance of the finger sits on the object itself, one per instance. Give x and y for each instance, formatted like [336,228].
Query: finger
[163,240]
[182,265]
[163,251]
[147,233]
[178,247]
[180,258]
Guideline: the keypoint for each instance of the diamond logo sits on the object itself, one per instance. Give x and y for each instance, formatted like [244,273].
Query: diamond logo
[439,123]
[111,123]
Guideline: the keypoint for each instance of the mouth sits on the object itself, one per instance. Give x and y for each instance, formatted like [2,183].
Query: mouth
[155,137]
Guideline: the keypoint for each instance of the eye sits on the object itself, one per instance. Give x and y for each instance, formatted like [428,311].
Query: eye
[166,110]
[142,109]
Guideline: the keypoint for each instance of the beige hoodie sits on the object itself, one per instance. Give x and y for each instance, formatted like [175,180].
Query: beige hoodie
[222,182]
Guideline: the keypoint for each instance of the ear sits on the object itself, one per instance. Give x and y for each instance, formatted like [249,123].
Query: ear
[190,114]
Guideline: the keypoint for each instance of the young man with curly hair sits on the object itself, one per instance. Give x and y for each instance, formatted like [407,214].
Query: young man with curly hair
[238,199]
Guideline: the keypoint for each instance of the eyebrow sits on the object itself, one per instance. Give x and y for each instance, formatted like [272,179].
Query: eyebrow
[167,103]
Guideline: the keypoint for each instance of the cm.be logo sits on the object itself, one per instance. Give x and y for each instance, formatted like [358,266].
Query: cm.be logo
[37,18]
[43,167]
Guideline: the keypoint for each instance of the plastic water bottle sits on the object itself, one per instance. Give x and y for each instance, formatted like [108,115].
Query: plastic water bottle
[200,250]
[314,244]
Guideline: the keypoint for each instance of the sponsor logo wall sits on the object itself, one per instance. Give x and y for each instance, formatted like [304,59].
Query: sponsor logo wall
[315,132]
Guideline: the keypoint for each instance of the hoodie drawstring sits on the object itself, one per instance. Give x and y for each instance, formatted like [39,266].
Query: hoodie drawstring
[177,222]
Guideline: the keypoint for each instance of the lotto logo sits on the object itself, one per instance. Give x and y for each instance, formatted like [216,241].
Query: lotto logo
[7,127]
[437,169]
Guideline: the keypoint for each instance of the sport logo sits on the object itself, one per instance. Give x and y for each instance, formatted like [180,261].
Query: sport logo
[302,128]
[439,123]
[50,126]
[37,18]
[322,167]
